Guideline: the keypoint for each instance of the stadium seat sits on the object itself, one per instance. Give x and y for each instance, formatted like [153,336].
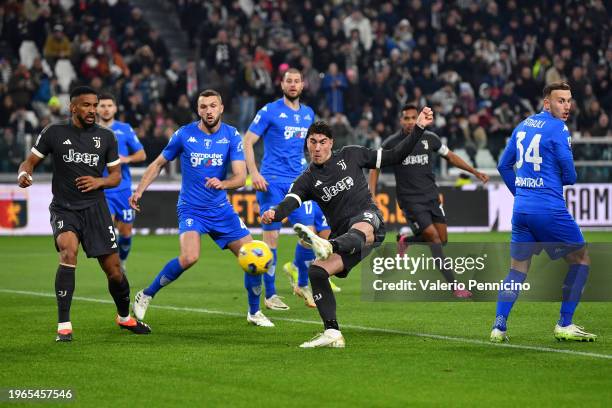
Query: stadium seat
[28,53]
[485,160]
[65,74]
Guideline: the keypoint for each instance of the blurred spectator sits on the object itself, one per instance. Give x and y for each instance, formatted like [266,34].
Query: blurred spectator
[334,85]
[57,45]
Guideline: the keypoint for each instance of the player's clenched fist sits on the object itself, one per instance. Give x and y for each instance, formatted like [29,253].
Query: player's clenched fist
[425,117]
[268,216]
[24,179]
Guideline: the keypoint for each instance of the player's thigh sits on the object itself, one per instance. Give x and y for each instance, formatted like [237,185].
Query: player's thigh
[270,237]
[235,246]
[125,230]
[420,215]
[190,248]
[371,224]
[98,237]
[442,232]
[430,234]
[67,244]
[560,235]
[333,265]
[110,265]
[67,228]
[523,242]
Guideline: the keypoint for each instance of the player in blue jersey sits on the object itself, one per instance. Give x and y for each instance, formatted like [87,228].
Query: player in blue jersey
[282,125]
[205,148]
[540,149]
[130,151]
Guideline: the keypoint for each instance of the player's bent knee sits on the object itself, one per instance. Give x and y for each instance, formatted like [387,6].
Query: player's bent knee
[187,261]
[68,256]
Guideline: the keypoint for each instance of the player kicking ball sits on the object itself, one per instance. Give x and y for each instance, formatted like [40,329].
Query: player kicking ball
[81,151]
[335,180]
[541,151]
[205,149]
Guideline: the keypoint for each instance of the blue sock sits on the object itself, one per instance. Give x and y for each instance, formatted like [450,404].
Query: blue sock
[506,299]
[171,271]
[572,289]
[252,283]
[125,244]
[303,258]
[269,277]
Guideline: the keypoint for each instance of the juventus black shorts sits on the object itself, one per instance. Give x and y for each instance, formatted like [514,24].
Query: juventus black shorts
[422,215]
[375,219]
[92,225]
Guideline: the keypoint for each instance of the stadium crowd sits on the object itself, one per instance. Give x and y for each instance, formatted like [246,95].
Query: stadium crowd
[481,65]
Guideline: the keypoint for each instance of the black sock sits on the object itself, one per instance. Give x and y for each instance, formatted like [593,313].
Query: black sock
[415,238]
[350,242]
[436,251]
[323,296]
[120,291]
[64,288]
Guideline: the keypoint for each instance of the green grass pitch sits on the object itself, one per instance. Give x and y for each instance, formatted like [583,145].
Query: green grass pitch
[203,353]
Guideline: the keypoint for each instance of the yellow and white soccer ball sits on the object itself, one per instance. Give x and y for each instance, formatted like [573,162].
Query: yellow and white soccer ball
[255,257]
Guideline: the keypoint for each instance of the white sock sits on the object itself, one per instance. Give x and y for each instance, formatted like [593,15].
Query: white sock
[124,319]
[64,326]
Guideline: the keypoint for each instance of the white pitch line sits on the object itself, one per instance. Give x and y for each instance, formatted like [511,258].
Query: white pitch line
[350,326]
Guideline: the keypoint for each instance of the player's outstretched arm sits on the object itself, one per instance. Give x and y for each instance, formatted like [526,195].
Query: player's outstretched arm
[403,149]
[460,163]
[373,181]
[148,177]
[259,182]
[283,209]
[26,168]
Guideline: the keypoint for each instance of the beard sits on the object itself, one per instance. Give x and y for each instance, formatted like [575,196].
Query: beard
[292,98]
[84,123]
[215,122]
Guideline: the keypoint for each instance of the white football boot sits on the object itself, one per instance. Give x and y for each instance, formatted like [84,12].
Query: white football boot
[274,302]
[573,332]
[322,248]
[498,336]
[141,303]
[329,338]
[259,319]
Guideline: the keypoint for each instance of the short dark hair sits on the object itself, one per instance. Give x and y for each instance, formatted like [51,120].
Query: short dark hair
[320,127]
[292,71]
[82,90]
[210,92]
[107,95]
[409,106]
[555,86]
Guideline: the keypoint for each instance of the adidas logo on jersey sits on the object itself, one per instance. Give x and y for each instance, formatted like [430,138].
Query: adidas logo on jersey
[192,140]
[67,141]
[318,183]
[282,115]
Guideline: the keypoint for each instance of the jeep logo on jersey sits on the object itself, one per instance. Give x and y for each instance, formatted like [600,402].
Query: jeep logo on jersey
[295,132]
[421,159]
[96,141]
[209,159]
[86,158]
[342,164]
[332,191]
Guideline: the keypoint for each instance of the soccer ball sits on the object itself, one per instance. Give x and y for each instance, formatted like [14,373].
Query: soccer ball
[255,257]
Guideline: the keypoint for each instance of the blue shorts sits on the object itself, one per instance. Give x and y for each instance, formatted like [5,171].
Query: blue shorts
[320,222]
[275,194]
[556,232]
[222,224]
[119,206]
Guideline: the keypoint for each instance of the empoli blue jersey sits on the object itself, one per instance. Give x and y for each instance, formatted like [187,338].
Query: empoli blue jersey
[540,147]
[283,131]
[128,144]
[203,156]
